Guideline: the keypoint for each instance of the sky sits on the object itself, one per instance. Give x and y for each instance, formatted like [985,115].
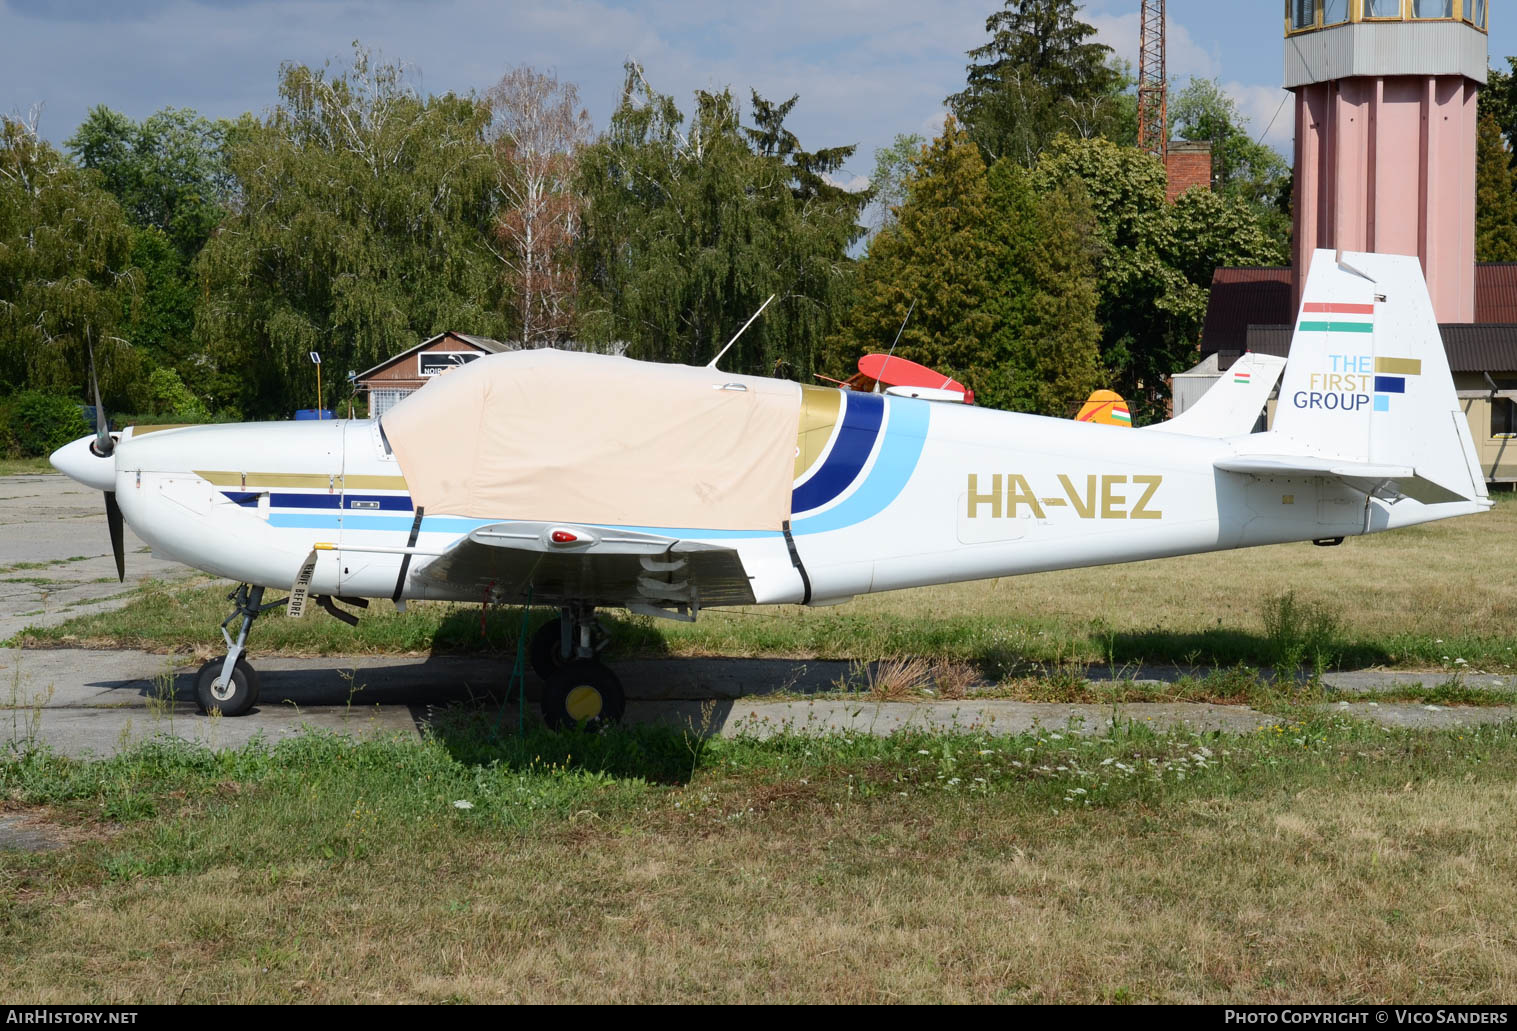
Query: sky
[865,70]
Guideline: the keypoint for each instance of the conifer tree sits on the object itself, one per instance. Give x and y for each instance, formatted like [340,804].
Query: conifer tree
[1495,195]
[935,262]
[1038,76]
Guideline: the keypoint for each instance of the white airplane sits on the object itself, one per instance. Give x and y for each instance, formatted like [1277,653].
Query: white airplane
[584,481]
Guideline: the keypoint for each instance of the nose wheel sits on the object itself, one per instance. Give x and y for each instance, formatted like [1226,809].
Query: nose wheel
[229,685]
[232,696]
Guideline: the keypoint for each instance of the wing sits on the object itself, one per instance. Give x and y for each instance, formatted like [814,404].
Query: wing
[567,562]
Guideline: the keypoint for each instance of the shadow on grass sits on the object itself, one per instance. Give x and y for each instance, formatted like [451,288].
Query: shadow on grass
[1223,647]
[486,735]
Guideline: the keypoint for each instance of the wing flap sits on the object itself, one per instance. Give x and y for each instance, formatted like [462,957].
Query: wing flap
[562,562]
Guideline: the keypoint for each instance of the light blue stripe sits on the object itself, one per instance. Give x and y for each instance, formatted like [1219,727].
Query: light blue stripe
[454,524]
[905,436]
[440,524]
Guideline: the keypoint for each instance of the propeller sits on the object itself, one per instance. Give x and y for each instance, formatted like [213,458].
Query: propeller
[104,446]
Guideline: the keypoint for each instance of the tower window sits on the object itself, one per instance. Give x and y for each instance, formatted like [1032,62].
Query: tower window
[1334,11]
[1474,10]
[1382,8]
[1432,8]
[1303,14]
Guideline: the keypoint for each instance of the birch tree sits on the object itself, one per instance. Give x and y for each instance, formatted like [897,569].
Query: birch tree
[537,128]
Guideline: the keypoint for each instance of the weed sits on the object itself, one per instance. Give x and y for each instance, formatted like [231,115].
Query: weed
[1301,632]
[953,679]
[25,714]
[890,680]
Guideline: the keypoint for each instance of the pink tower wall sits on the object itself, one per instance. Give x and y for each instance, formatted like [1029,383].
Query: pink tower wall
[1388,164]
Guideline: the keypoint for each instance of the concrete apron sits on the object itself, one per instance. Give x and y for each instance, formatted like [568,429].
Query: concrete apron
[83,702]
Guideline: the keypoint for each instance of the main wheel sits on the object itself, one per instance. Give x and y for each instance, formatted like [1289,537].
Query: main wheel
[234,699]
[583,694]
[546,650]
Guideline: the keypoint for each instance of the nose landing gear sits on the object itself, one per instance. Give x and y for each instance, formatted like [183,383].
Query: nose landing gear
[229,684]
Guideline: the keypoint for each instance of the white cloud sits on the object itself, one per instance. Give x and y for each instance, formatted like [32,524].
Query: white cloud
[1269,113]
[1183,56]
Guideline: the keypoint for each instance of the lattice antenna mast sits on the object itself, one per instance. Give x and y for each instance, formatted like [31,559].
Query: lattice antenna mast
[1153,104]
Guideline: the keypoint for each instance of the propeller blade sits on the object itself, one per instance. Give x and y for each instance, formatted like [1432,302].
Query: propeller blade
[103,445]
[113,519]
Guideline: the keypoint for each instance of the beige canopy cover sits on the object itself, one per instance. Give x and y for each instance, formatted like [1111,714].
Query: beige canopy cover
[587,438]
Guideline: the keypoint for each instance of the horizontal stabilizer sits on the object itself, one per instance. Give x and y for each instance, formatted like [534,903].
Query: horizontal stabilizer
[1232,405]
[1382,481]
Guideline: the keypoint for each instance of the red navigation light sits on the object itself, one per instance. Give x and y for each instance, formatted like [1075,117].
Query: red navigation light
[563,537]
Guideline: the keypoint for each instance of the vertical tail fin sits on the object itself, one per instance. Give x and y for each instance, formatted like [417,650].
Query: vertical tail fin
[1368,382]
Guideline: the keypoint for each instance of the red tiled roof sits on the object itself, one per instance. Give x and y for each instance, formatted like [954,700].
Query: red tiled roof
[1243,297]
[1496,292]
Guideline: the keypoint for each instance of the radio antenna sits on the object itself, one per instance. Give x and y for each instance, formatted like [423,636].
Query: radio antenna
[712,363]
[897,340]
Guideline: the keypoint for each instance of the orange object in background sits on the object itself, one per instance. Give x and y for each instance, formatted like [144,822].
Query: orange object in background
[1105,407]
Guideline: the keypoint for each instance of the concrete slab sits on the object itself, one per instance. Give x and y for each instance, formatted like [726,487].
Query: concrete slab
[84,702]
[24,833]
[55,554]
[761,719]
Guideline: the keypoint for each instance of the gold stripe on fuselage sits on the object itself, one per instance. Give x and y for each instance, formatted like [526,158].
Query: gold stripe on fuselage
[337,481]
[819,414]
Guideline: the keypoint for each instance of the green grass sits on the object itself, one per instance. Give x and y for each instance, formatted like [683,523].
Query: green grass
[25,466]
[1320,858]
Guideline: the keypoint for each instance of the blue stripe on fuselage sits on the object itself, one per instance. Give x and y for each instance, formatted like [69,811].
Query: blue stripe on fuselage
[862,415]
[359,502]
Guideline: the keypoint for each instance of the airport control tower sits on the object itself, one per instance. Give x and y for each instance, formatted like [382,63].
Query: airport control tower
[1385,134]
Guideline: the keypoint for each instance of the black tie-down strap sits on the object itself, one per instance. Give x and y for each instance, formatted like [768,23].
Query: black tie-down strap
[795,560]
[405,560]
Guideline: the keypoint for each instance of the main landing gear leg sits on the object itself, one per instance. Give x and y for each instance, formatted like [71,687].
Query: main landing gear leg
[228,684]
[581,690]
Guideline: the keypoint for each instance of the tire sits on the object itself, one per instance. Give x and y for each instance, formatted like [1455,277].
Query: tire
[544,652]
[244,692]
[583,694]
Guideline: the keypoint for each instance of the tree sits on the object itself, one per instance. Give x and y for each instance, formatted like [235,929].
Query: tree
[1038,76]
[167,172]
[65,273]
[999,282]
[1241,167]
[690,225]
[364,225]
[892,166]
[1053,344]
[1495,195]
[1157,260]
[936,264]
[169,175]
[537,129]
[1498,98]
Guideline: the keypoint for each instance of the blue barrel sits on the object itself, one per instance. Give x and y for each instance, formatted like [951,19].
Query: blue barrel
[312,413]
